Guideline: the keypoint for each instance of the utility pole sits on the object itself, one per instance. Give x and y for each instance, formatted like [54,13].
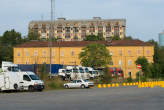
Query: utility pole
[51,35]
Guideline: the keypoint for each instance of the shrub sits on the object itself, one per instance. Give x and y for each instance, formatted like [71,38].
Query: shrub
[106,78]
[54,83]
[129,79]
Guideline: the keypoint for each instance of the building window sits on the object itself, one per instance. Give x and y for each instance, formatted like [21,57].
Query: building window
[62,54]
[130,62]
[148,52]
[83,32]
[92,29]
[18,54]
[68,36]
[129,52]
[35,53]
[53,53]
[59,29]
[120,52]
[100,29]
[76,29]
[108,29]
[67,29]
[27,54]
[138,52]
[44,54]
[72,53]
[116,30]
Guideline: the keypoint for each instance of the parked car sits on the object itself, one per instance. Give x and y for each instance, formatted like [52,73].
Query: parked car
[79,84]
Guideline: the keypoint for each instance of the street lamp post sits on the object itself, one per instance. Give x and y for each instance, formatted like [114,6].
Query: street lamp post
[51,36]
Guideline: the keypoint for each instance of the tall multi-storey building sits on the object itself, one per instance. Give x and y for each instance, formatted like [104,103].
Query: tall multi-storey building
[124,53]
[76,30]
[161,39]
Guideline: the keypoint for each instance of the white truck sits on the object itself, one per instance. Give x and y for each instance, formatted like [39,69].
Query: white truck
[78,72]
[74,73]
[11,78]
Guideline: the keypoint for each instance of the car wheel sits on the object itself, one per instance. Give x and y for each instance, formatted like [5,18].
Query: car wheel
[31,88]
[66,86]
[83,86]
[15,86]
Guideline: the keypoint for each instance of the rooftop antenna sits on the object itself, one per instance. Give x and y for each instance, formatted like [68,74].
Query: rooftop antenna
[51,35]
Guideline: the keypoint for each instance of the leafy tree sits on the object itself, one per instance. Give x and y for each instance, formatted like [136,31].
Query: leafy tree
[156,56]
[99,37]
[155,70]
[7,41]
[145,65]
[95,55]
[161,62]
[33,36]
[6,53]
[116,38]
[157,67]
[11,38]
[106,78]
[128,38]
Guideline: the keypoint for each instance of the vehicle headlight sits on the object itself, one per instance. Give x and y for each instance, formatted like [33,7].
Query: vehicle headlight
[35,84]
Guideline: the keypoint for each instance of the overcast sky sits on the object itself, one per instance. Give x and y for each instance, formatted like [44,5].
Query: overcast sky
[145,18]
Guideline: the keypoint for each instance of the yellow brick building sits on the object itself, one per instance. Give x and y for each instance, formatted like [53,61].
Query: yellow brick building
[124,53]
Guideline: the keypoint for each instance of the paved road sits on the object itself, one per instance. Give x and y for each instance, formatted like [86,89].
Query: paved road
[130,98]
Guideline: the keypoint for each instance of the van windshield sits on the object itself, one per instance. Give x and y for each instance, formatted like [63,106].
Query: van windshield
[15,69]
[75,70]
[34,77]
[68,71]
[94,72]
[86,70]
[81,70]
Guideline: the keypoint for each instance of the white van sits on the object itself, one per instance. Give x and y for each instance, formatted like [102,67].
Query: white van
[75,74]
[93,73]
[12,78]
[64,73]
